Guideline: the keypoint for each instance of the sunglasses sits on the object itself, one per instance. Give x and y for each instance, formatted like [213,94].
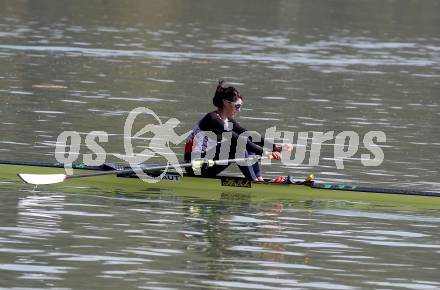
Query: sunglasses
[236,106]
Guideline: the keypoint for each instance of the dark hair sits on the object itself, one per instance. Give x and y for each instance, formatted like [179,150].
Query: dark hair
[229,94]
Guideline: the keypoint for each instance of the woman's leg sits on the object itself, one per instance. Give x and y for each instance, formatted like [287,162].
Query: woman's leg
[251,172]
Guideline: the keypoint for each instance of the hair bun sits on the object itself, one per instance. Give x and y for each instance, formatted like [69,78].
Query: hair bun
[220,86]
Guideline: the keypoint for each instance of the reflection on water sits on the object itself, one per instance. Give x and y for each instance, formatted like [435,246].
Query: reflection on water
[81,241]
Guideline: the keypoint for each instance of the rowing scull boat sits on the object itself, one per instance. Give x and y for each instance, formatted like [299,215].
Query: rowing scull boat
[223,187]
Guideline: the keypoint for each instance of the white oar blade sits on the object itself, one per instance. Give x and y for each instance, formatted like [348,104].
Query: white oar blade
[39,179]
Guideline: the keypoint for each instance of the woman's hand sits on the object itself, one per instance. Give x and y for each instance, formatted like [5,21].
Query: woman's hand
[287,147]
[284,147]
[274,155]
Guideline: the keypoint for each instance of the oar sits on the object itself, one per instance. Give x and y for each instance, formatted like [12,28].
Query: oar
[40,179]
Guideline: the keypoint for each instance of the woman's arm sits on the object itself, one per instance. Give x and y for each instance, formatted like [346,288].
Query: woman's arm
[237,128]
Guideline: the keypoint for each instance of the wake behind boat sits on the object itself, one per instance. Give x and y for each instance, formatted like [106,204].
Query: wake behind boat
[116,178]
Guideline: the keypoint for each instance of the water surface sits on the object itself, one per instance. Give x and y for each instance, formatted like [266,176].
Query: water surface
[80,241]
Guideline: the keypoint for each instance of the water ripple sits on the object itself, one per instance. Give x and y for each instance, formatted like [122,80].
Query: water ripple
[288,58]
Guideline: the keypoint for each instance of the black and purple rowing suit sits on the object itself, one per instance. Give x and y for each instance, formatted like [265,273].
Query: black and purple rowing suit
[201,144]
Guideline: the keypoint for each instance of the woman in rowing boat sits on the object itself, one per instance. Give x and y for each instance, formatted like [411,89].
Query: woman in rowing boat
[226,131]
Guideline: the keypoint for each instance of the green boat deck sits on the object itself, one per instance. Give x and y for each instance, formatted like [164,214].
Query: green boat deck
[228,190]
